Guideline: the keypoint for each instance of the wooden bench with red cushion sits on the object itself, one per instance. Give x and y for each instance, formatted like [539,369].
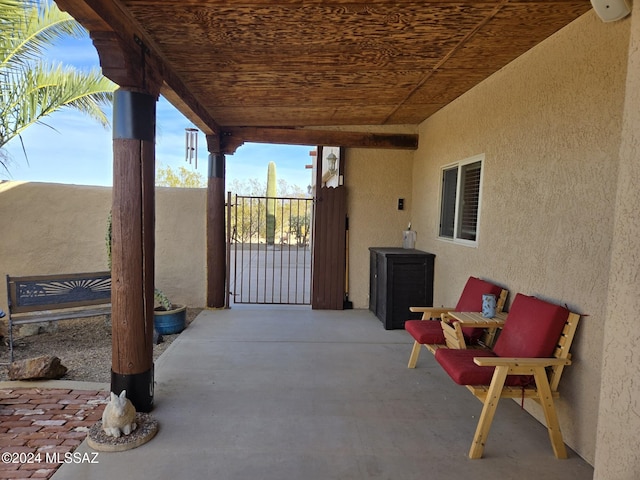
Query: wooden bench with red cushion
[526,362]
[428,330]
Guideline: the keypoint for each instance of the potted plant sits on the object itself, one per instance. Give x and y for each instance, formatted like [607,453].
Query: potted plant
[168,318]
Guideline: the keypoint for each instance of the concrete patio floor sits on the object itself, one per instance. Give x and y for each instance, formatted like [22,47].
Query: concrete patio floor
[290,393]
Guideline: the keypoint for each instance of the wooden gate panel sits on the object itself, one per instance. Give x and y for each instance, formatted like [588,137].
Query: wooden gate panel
[329,249]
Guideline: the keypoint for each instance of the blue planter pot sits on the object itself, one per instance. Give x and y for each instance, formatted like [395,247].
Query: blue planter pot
[168,322]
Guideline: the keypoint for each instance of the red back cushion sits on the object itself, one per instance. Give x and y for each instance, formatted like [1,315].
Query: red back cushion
[532,328]
[471,297]
[471,301]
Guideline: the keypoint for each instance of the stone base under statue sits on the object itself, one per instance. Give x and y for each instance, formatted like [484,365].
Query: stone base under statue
[146,429]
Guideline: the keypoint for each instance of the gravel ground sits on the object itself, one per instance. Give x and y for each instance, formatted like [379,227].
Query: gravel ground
[83,345]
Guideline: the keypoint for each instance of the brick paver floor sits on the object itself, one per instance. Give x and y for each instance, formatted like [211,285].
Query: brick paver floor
[40,428]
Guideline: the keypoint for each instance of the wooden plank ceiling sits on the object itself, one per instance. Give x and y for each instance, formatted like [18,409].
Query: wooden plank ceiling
[305,63]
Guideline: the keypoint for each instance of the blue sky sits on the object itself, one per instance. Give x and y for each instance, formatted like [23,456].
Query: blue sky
[76,150]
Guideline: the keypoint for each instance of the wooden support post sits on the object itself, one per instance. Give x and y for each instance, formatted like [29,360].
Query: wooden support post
[132,273]
[216,240]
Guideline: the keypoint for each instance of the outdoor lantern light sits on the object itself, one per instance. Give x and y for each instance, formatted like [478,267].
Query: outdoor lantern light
[332,162]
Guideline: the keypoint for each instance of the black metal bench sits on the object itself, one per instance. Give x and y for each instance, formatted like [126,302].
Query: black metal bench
[46,298]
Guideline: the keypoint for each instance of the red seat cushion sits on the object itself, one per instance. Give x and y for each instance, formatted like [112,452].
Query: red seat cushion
[532,328]
[460,367]
[425,331]
[471,301]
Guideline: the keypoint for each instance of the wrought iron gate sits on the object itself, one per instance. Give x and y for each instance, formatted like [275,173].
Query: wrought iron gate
[269,249]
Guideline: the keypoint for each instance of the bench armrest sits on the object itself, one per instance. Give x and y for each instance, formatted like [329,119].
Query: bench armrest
[476,320]
[434,312]
[519,362]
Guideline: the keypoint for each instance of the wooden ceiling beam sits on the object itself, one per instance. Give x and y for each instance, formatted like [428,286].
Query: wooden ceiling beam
[233,137]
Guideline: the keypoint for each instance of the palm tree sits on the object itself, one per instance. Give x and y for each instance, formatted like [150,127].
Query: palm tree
[32,88]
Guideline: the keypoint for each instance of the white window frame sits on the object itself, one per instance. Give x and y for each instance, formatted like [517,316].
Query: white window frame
[456,237]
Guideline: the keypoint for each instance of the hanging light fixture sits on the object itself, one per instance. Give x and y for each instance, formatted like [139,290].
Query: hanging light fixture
[331,158]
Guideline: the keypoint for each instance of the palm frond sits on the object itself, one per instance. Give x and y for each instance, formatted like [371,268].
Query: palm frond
[25,38]
[13,9]
[31,89]
[38,92]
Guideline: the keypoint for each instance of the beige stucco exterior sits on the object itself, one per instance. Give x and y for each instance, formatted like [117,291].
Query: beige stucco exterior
[181,265]
[617,453]
[375,180]
[51,228]
[559,218]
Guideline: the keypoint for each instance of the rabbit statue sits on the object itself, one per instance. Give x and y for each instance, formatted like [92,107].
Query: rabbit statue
[119,416]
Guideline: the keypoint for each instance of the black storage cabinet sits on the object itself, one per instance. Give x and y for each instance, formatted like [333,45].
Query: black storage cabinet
[399,278]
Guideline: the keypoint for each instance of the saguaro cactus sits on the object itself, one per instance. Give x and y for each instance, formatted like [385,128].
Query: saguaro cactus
[271,203]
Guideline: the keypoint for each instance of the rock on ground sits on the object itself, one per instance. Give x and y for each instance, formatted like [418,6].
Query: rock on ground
[43,367]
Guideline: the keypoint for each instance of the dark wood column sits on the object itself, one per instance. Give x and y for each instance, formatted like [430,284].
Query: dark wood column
[132,273]
[216,239]
[128,62]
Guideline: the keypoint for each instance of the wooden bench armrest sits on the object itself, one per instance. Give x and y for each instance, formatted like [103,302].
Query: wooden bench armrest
[434,312]
[519,362]
[475,319]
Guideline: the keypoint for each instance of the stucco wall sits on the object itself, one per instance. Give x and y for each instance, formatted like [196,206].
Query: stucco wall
[52,228]
[549,124]
[617,454]
[375,180]
[181,261]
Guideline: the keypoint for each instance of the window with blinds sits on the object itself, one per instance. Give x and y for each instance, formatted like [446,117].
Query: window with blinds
[460,200]
[448,202]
